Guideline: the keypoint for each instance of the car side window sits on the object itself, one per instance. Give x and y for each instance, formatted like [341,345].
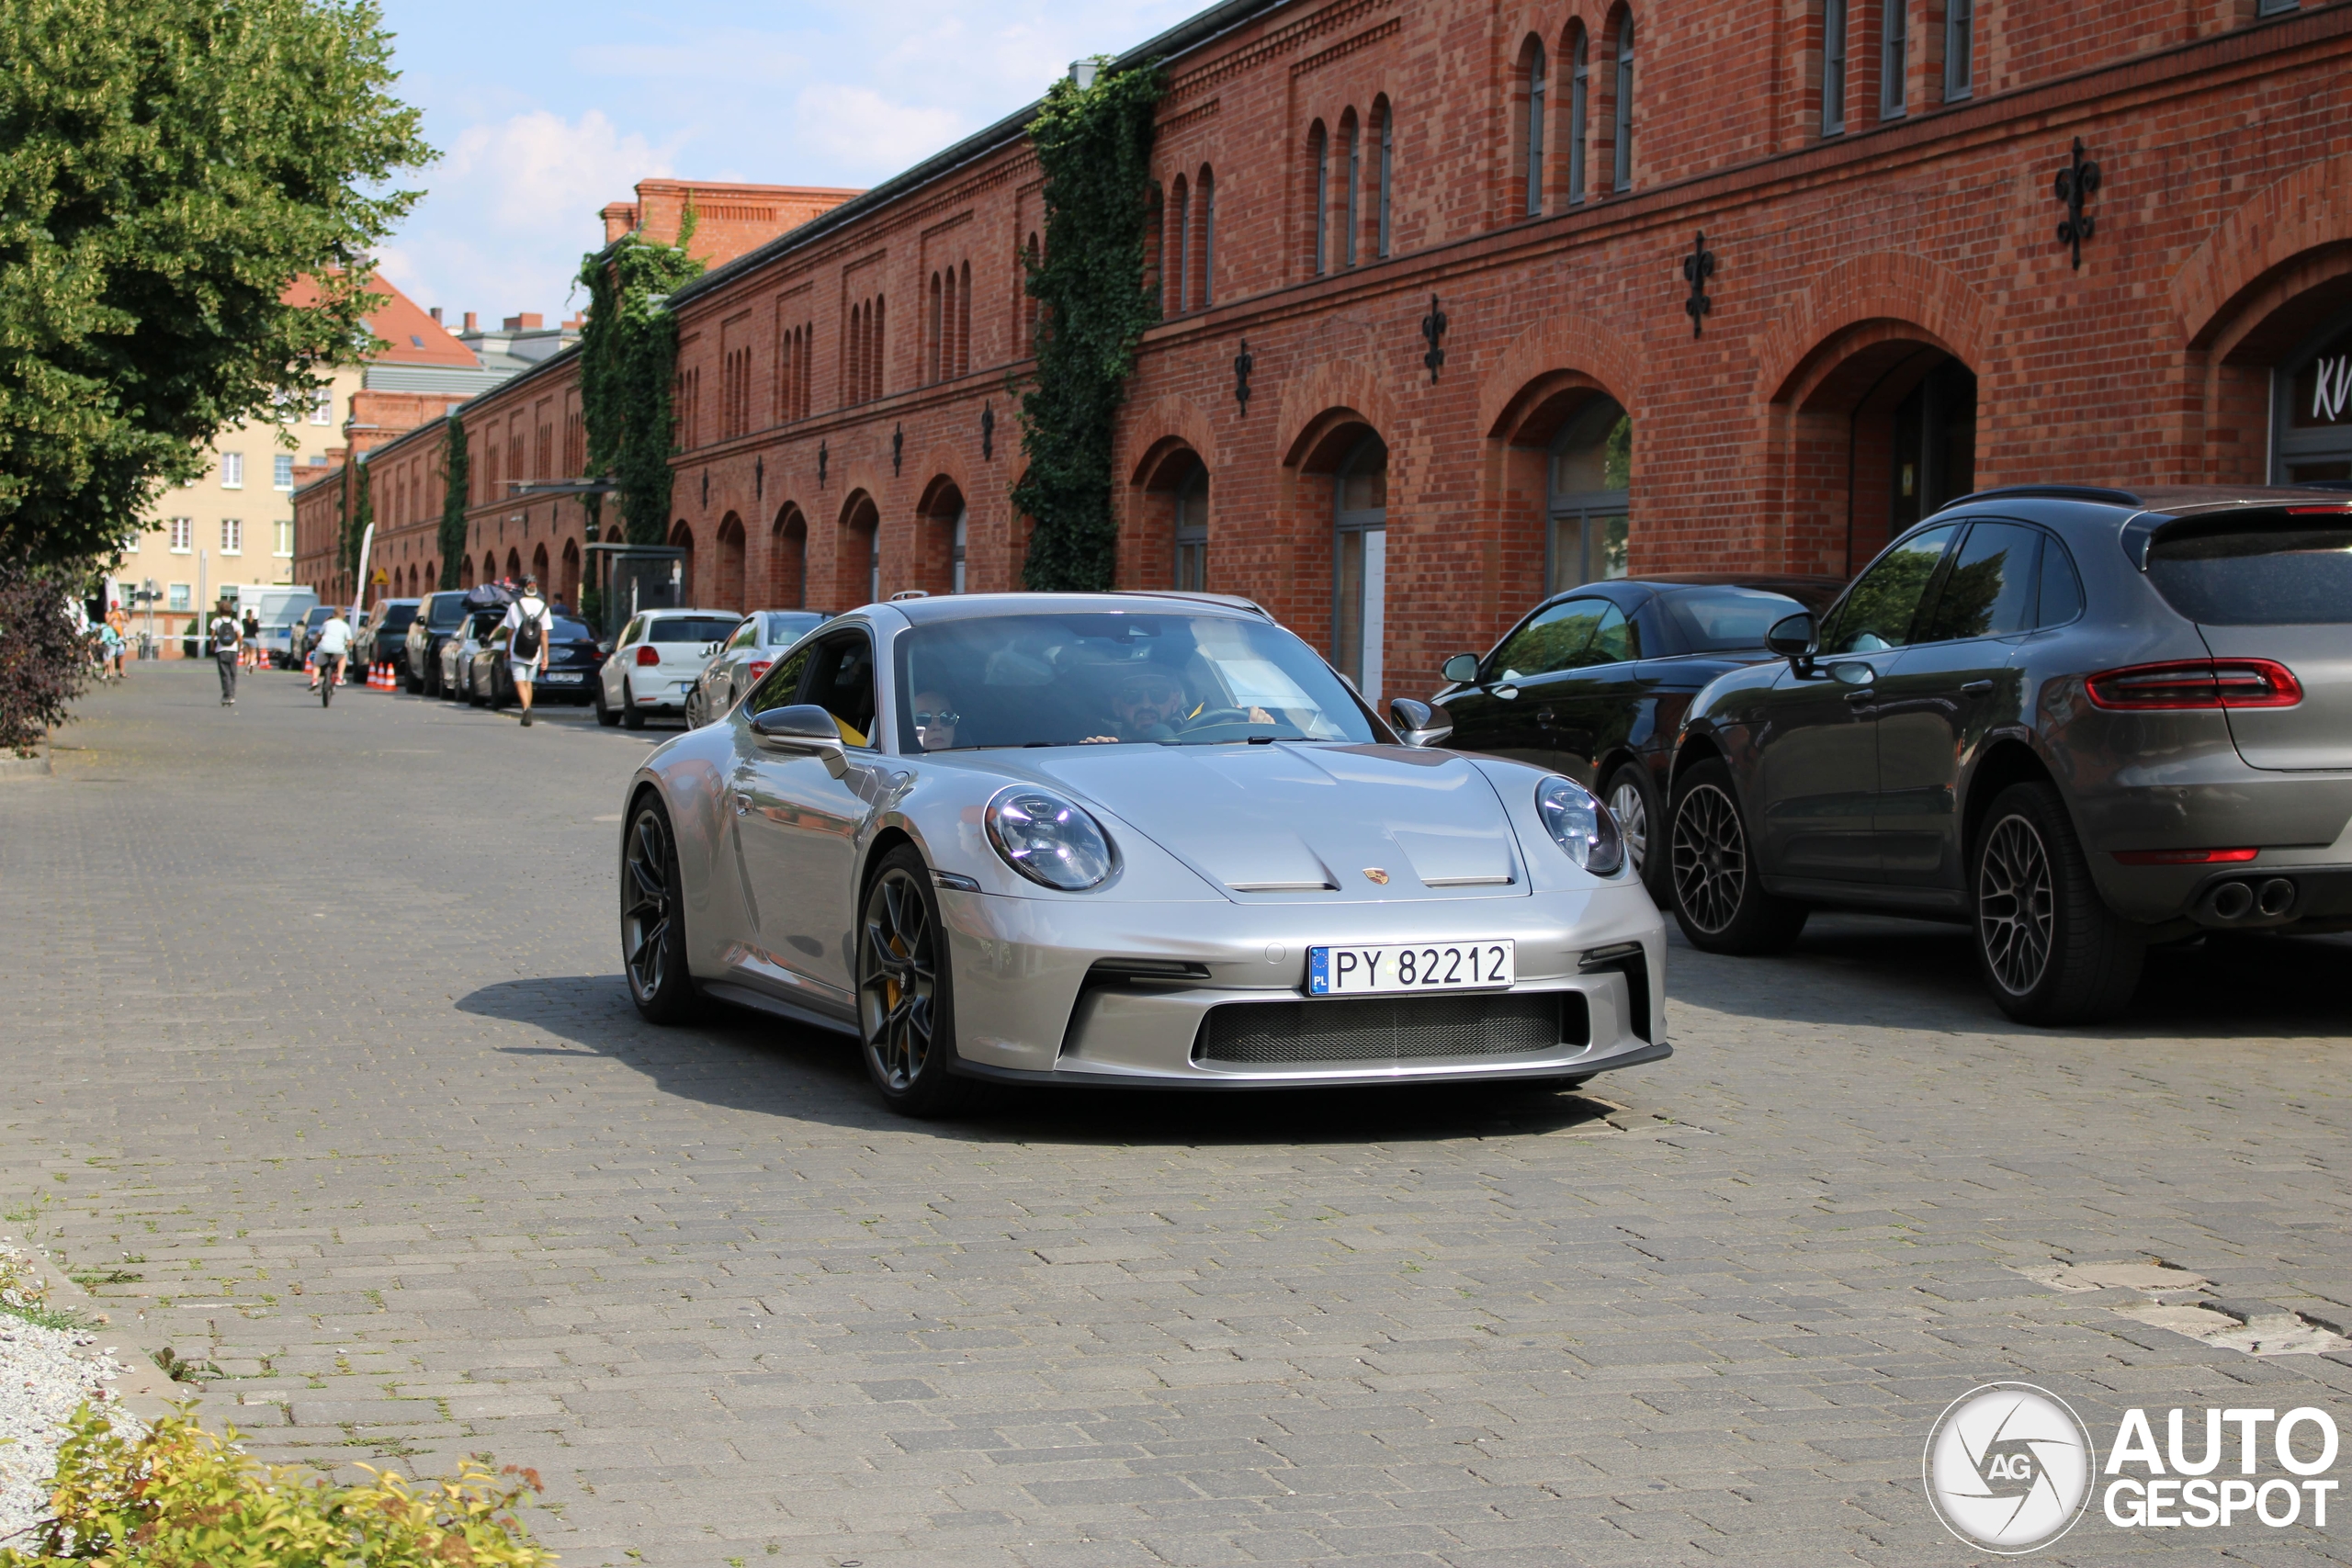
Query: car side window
[1554,639]
[745,636]
[780,687]
[633,632]
[1878,611]
[2060,598]
[841,680]
[1989,590]
[1613,641]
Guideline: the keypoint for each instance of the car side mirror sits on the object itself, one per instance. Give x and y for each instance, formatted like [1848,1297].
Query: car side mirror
[805,729]
[1462,669]
[1794,637]
[1417,723]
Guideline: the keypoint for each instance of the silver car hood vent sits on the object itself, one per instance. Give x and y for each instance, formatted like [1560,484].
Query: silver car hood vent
[1272,821]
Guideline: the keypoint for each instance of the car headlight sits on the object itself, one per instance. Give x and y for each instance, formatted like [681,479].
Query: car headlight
[1049,840]
[1581,826]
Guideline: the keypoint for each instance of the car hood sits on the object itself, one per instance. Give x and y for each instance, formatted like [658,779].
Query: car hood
[1289,822]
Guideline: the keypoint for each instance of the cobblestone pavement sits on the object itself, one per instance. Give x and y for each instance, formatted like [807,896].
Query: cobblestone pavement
[315,1039]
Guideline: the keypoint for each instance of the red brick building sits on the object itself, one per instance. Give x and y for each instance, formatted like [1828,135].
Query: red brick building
[1890,318]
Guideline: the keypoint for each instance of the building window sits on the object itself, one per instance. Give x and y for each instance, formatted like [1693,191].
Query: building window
[1833,66]
[1318,151]
[1531,153]
[1624,170]
[1579,107]
[1585,496]
[233,470]
[232,536]
[321,406]
[1033,258]
[284,539]
[2275,7]
[961,537]
[1204,285]
[281,471]
[1360,554]
[1894,60]
[1193,531]
[176,597]
[183,535]
[1352,140]
[1387,116]
[2311,441]
[1959,52]
[1180,231]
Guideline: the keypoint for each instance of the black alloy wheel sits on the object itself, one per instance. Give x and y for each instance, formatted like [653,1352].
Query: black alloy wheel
[1719,896]
[2050,949]
[653,925]
[632,716]
[903,1013]
[1627,796]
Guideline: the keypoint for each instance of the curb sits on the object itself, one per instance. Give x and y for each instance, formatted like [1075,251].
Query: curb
[142,1386]
[34,767]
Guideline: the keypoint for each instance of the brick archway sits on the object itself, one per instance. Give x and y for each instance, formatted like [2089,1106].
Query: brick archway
[682,538]
[726,592]
[932,559]
[855,542]
[788,558]
[1170,465]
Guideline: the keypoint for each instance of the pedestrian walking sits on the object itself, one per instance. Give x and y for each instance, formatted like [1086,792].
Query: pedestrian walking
[252,649]
[228,646]
[118,623]
[532,628]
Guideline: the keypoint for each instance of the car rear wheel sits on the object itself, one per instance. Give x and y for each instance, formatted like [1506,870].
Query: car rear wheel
[605,716]
[654,924]
[1719,896]
[632,716]
[2050,949]
[1628,795]
[904,1016]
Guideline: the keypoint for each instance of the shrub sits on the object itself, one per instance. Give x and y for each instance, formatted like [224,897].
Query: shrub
[44,662]
[180,1497]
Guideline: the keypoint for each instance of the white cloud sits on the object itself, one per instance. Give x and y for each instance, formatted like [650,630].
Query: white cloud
[867,133]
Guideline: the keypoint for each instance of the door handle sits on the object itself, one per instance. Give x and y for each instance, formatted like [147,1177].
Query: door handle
[1507,692]
[1978,689]
[1544,718]
[1861,698]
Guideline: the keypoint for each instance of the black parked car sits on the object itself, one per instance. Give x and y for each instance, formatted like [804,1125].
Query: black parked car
[1593,682]
[383,637]
[2082,720]
[438,618]
[570,677]
[306,632]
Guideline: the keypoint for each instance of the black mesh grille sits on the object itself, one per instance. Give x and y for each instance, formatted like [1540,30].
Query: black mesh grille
[1390,1029]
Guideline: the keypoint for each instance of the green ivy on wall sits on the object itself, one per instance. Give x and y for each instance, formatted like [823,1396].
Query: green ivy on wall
[1095,146]
[459,468]
[355,526]
[628,356]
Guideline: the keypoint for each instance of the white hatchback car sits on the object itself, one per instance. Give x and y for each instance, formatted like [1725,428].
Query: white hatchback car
[655,661]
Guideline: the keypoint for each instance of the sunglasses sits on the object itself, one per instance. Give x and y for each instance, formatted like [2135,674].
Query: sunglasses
[937,720]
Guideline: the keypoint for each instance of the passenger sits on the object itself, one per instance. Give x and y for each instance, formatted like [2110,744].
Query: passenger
[935,721]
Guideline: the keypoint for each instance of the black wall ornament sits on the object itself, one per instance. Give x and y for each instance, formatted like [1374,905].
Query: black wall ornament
[988,431]
[1697,267]
[1242,366]
[2073,187]
[897,448]
[820,465]
[1433,327]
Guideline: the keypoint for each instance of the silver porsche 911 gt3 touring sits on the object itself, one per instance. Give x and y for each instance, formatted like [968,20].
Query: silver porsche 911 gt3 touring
[1126,839]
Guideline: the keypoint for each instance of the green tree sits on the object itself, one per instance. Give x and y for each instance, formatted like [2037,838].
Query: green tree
[458,469]
[1094,145]
[355,526]
[628,356]
[168,170]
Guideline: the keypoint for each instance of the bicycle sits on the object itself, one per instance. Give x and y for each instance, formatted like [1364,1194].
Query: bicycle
[330,672]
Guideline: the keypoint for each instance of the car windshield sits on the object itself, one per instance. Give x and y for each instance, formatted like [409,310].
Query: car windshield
[397,617]
[1069,680]
[1714,620]
[692,628]
[2274,570]
[568,630]
[788,626]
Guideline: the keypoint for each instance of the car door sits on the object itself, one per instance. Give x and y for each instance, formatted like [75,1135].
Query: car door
[1817,731]
[800,826]
[1497,716]
[1944,693]
[1583,712]
[718,680]
[615,669]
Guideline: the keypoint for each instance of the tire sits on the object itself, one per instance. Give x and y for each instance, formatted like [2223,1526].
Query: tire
[1632,800]
[605,716]
[905,1011]
[2049,948]
[1719,897]
[632,716]
[653,918]
[410,681]
[474,698]
[694,708]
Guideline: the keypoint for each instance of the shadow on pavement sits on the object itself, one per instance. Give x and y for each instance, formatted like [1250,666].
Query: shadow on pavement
[746,1061]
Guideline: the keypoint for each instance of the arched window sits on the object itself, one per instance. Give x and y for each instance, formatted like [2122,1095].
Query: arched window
[1894,59]
[1319,165]
[1531,147]
[1352,171]
[875,360]
[1625,129]
[1587,493]
[2312,439]
[1179,228]
[947,328]
[1204,263]
[1579,110]
[1192,530]
[1960,48]
[964,318]
[1832,67]
[1360,558]
[1384,117]
[932,332]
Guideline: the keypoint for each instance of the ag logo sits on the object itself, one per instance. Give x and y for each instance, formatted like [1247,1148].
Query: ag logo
[2008,1468]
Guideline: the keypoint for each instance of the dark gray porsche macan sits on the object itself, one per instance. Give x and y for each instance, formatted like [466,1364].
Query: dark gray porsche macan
[2082,720]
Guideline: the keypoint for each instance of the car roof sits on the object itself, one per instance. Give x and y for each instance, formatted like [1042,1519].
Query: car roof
[2169,500]
[975,606]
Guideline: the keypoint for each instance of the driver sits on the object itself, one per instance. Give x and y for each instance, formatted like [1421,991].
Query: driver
[1151,704]
[935,720]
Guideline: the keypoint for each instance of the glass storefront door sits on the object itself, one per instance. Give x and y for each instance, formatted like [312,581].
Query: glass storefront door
[1193,531]
[2312,442]
[1587,488]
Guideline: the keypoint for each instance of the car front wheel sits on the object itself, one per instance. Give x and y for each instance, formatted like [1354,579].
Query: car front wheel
[1628,795]
[1719,896]
[904,1012]
[2050,949]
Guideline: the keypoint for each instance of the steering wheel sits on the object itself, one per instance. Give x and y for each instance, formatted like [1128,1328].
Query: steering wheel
[1208,717]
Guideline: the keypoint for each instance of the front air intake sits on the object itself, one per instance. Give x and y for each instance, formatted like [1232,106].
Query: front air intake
[1391,1029]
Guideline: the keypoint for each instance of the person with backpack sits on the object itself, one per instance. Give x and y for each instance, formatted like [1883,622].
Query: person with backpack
[227,646]
[530,627]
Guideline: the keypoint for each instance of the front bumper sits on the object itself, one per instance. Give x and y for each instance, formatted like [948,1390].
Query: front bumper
[1032,1002]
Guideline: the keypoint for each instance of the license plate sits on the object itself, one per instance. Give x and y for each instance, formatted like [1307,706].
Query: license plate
[563,677]
[1420,966]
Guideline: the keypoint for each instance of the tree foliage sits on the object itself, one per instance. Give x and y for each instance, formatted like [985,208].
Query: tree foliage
[1094,145]
[359,515]
[458,467]
[168,170]
[44,660]
[628,356]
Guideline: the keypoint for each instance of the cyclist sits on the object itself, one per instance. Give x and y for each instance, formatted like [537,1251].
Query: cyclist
[335,641]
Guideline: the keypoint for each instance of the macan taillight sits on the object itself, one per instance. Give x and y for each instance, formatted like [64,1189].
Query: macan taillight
[2196,683]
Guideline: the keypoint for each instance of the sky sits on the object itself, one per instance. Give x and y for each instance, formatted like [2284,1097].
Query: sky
[543,113]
